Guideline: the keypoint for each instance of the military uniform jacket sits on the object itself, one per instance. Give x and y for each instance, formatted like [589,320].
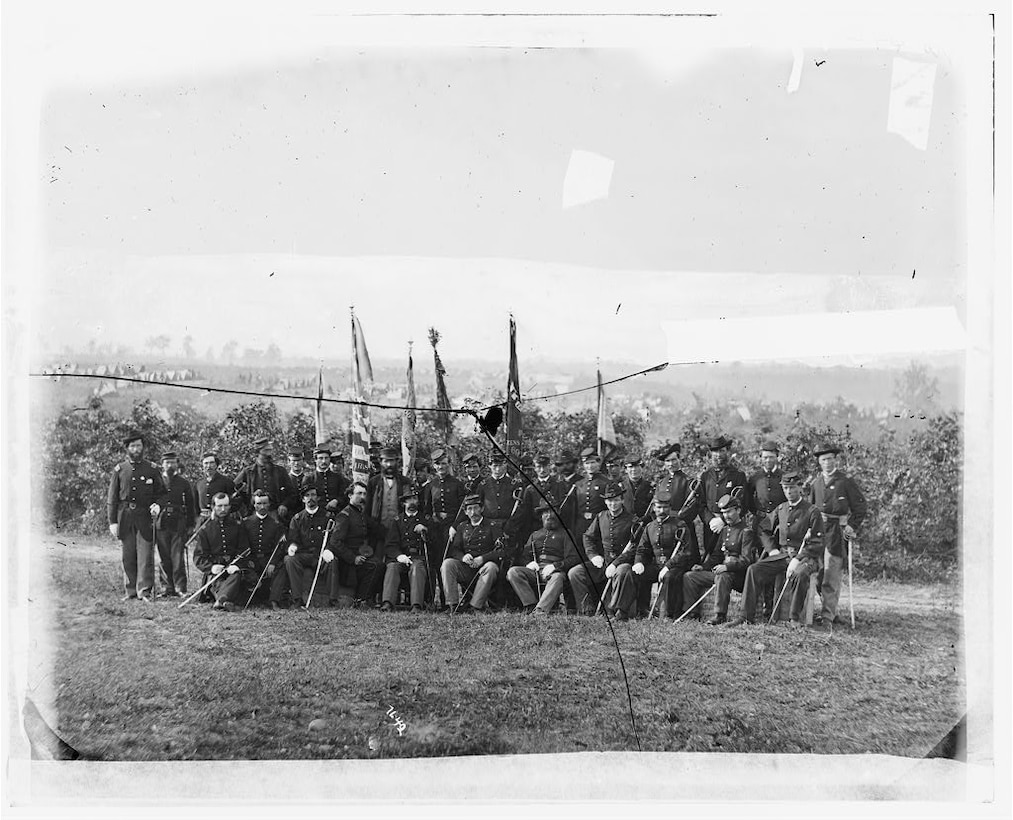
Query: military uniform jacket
[441,500]
[403,540]
[790,524]
[735,541]
[294,498]
[263,535]
[637,496]
[660,544]
[836,498]
[477,540]
[713,486]
[763,493]
[608,536]
[178,505]
[134,487]
[272,478]
[306,531]
[529,522]
[552,547]
[354,535]
[206,490]
[219,543]
[497,496]
[683,507]
[329,486]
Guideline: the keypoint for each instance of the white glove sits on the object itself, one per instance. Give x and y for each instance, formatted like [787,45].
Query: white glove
[849,532]
[282,510]
[598,561]
[477,562]
[270,570]
[468,559]
[610,570]
[217,568]
[720,568]
[774,552]
[533,566]
[328,556]
[792,568]
[404,559]
[114,530]
[548,569]
[420,528]
[717,524]
[638,568]
[662,574]
[154,509]
[232,569]
[293,549]
[452,533]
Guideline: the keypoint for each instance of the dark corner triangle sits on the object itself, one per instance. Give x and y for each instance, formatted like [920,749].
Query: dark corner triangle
[953,746]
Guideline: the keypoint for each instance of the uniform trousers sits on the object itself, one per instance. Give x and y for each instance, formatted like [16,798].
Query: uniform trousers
[798,589]
[300,569]
[696,582]
[394,576]
[760,577]
[833,574]
[362,578]
[525,583]
[231,587]
[138,553]
[274,586]
[457,572]
[170,554]
[585,581]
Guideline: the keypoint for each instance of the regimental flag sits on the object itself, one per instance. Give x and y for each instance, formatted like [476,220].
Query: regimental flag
[362,384]
[444,419]
[318,416]
[606,432]
[408,423]
[513,408]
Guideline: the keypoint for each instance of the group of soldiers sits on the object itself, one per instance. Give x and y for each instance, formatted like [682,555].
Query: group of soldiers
[561,529]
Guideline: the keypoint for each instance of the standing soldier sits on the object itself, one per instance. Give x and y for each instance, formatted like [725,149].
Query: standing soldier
[264,534]
[564,488]
[552,555]
[405,556]
[175,520]
[637,490]
[499,493]
[296,477]
[219,544]
[331,487]
[212,483]
[474,557]
[604,543]
[338,466]
[531,499]
[590,492]
[375,467]
[843,508]
[264,474]
[763,489]
[685,503]
[442,500]
[725,566]
[383,494]
[720,480]
[134,488]
[305,541]
[359,545]
[472,472]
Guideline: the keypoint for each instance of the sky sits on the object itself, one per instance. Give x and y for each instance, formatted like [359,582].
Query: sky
[258,199]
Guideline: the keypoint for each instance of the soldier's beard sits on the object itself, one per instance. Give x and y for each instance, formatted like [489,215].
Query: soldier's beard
[412,509]
[390,472]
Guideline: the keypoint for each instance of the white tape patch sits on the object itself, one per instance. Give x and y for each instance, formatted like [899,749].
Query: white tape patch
[879,332]
[796,70]
[588,178]
[911,88]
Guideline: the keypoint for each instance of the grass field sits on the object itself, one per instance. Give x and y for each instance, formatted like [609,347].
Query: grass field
[152,682]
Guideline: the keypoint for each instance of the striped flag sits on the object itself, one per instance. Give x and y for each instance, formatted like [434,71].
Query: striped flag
[318,417]
[408,423]
[513,408]
[606,432]
[444,420]
[362,384]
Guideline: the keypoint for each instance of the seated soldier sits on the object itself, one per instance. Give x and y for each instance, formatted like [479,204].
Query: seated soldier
[475,552]
[725,567]
[219,547]
[405,554]
[359,562]
[306,535]
[552,554]
[604,541]
[266,536]
[787,529]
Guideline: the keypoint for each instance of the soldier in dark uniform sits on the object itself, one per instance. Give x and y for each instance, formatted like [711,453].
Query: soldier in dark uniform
[605,542]
[843,508]
[296,476]
[763,491]
[264,474]
[405,556]
[219,544]
[664,553]
[725,567]
[564,489]
[472,466]
[331,487]
[720,480]
[637,490]
[375,448]
[359,544]
[383,494]
[589,497]
[212,483]
[306,535]
[476,550]
[338,466]
[176,519]
[267,536]
[614,467]
[790,527]
[553,555]
[531,498]
[134,488]
[442,502]
[501,497]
